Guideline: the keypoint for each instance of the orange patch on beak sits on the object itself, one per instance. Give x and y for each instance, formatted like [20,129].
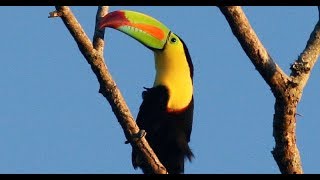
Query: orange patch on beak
[152,30]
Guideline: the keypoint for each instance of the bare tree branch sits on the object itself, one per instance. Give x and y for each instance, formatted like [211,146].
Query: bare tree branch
[98,38]
[241,28]
[300,73]
[82,40]
[108,88]
[285,148]
[302,67]
[287,90]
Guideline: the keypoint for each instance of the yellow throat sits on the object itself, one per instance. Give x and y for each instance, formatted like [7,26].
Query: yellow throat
[173,71]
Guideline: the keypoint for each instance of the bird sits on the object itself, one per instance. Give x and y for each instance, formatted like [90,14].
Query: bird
[166,112]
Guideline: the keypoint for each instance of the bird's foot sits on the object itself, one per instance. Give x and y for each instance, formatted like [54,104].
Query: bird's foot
[137,136]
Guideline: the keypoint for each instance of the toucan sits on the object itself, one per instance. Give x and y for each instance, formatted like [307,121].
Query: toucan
[166,112]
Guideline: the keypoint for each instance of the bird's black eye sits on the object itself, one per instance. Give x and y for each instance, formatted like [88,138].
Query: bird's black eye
[173,40]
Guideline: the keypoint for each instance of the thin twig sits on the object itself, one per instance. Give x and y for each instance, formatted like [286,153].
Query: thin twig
[302,67]
[98,38]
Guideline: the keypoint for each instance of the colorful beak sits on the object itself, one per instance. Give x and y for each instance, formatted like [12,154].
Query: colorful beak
[141,27]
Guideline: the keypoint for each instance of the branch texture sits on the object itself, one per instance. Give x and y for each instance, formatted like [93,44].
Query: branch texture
[93,53]
[287,90]
[98,37]
[254,49]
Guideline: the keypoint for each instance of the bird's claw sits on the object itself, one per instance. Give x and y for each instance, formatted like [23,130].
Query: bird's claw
[137,136]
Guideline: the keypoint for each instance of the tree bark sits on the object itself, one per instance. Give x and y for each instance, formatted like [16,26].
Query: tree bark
[287,90]
[93,53]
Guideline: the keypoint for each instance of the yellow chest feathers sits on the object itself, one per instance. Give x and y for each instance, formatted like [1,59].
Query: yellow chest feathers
[172,71]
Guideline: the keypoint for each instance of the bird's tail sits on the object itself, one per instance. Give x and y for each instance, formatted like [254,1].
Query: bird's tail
[138,161]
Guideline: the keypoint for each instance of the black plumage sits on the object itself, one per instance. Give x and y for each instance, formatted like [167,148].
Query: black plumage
[168,133]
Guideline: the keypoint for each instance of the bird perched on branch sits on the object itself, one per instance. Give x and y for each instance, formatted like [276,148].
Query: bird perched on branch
[166,113]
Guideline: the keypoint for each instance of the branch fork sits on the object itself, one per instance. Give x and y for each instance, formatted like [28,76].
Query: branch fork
[287,90]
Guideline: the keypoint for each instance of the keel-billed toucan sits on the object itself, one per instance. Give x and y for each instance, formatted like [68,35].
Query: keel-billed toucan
[166,113]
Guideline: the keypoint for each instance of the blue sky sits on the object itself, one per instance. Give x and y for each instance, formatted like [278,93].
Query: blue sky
[53,120]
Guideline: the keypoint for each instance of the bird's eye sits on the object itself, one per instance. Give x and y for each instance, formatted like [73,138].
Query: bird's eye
[173,40]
